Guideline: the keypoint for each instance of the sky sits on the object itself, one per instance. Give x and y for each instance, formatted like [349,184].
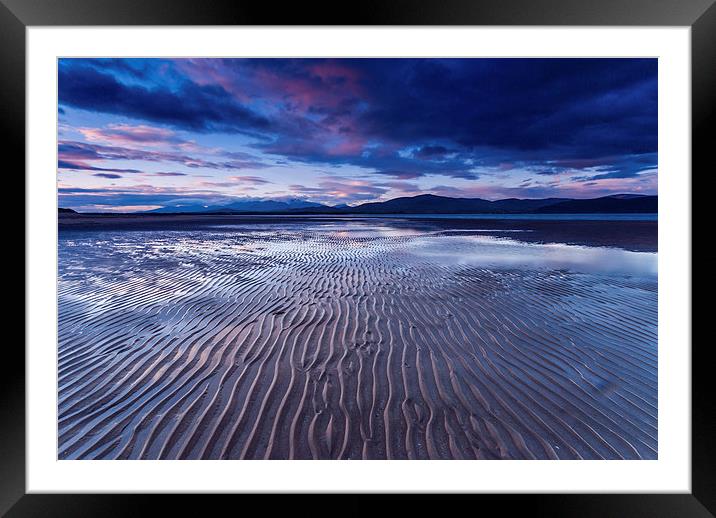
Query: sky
[141,134]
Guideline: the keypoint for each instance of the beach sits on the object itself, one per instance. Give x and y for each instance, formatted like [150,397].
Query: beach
[352,338]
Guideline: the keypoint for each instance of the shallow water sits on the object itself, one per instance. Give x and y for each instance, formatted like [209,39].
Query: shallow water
[476,247]
[493,252]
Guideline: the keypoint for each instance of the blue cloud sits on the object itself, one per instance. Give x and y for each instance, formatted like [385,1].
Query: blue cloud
[189,106]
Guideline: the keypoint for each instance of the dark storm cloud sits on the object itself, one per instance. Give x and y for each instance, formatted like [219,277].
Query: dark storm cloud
[401,118]
[533,111]
[187,106]
[585,107]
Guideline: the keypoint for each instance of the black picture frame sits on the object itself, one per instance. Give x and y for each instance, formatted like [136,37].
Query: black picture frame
[700,15]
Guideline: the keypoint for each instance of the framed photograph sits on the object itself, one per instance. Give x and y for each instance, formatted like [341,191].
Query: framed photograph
[432,248]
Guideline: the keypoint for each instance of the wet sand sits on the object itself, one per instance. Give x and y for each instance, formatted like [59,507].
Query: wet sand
[353,341]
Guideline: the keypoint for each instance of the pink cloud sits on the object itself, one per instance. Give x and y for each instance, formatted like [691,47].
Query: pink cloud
[331,70]
[313,101]
[212,72]
[125,134]
[347,146]
[324,85]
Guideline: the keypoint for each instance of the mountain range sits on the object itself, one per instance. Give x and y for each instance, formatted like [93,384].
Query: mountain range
[432,204]
[429,204]
[242,206]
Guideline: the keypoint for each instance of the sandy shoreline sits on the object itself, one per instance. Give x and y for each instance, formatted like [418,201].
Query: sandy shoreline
[347,345]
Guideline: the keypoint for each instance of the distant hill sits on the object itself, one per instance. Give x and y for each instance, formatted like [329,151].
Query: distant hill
[422,204]
[517,205]
[66,211]
[608,204]
[267,206]
[242,206]
[432,204]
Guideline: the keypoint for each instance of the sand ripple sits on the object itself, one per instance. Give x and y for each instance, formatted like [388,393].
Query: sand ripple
[329,346]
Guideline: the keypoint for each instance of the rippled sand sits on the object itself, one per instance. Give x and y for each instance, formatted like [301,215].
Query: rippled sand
[353,342]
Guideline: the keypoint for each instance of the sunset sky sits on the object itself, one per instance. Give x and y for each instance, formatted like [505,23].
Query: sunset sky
[140,134]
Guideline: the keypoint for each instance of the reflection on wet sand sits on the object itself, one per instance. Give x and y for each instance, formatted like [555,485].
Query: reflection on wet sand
[355,340]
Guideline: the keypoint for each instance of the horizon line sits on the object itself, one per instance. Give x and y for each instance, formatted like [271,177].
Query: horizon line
[318,205]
